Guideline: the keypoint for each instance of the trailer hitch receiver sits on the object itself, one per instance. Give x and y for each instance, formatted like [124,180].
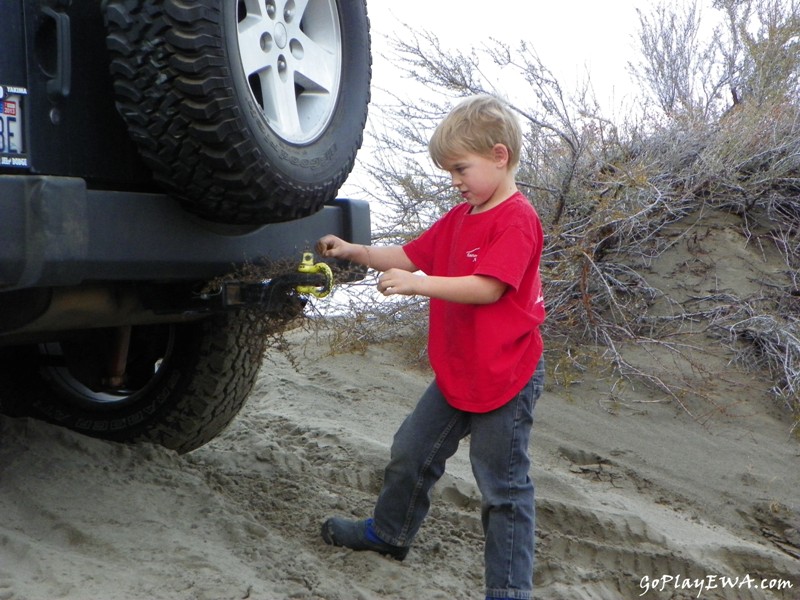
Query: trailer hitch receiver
[310,279]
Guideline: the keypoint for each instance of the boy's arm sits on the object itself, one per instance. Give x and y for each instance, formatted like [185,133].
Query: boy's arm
[380,258]
[399,277]
[471,289]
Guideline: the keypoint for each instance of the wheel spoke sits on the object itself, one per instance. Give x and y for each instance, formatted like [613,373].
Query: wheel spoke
[252,34]
[300,7]
[256,34]
[280,102]
[318,68]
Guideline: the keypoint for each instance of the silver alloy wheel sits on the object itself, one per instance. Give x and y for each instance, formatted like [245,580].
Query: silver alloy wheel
[291,55]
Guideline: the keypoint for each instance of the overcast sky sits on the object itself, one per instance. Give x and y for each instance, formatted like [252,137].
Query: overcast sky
[572,37]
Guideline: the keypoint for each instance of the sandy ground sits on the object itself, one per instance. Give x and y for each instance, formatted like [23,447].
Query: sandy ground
[624,497]
[635,497]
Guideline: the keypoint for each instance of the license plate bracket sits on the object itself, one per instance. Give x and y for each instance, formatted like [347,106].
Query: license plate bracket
[13,140]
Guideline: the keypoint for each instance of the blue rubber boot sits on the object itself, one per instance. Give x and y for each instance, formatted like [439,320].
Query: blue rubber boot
[358,535]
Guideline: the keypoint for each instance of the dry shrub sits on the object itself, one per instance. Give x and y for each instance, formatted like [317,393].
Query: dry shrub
[615,199]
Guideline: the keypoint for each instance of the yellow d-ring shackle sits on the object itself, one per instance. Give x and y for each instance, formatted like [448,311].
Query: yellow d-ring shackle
[308,266]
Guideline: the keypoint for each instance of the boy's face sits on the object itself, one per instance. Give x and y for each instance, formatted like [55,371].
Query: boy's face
[484,181]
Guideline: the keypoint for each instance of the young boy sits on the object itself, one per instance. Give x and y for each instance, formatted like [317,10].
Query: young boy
[486,305]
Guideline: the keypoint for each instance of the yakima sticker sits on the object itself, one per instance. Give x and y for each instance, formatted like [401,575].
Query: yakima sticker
[12,139]
[6,90]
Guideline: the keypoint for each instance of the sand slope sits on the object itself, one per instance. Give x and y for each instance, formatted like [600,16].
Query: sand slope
[645,492]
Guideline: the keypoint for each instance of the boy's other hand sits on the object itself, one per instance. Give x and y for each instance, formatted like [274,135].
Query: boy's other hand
[398,281]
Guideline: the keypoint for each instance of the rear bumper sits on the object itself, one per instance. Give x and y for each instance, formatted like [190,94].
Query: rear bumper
[56,232]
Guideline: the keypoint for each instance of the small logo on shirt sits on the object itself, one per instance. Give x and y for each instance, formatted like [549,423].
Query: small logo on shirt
[473,254]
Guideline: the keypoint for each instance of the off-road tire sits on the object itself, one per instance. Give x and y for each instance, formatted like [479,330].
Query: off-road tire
[188,381]
[199,119]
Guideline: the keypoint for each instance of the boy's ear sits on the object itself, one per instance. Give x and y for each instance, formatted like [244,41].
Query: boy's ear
[501,154]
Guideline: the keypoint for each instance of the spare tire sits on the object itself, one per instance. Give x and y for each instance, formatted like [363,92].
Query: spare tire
[247,111]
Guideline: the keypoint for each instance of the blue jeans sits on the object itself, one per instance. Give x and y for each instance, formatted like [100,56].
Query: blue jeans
[499,457]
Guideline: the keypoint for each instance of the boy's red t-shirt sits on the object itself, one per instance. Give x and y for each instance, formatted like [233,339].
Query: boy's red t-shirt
[484,354]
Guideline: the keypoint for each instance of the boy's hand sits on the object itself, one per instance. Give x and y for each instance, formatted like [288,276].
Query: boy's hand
[380,258]
[468,289]
[331,246]
[398,281]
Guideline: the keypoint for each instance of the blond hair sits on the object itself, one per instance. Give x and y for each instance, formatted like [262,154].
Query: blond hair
[475,126]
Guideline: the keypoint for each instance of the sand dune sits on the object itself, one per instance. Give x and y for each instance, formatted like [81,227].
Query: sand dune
[626,500]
